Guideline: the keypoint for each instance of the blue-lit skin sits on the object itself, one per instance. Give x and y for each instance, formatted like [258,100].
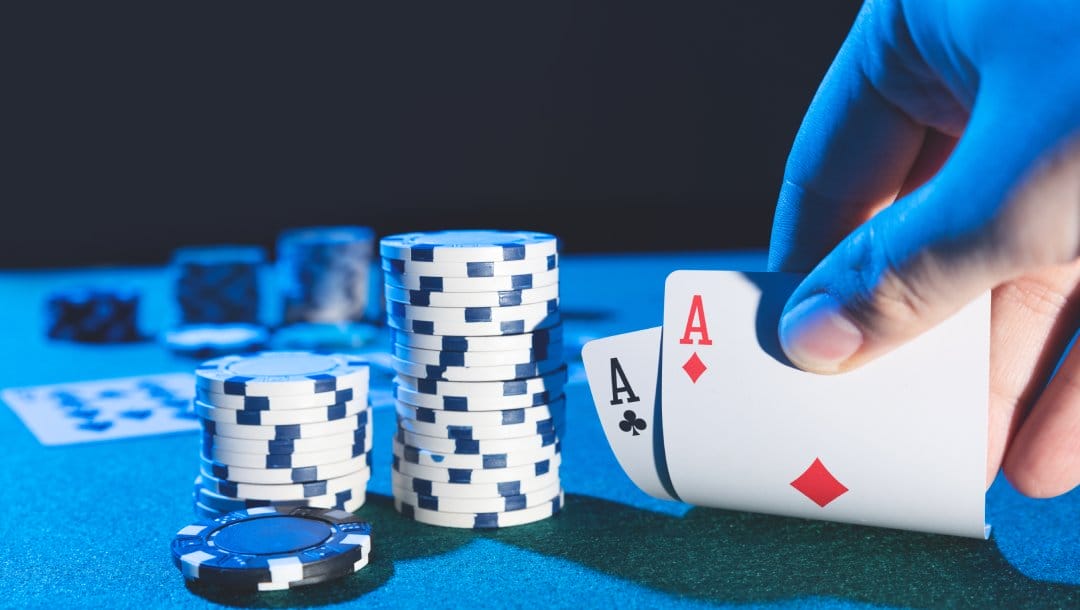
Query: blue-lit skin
[940,158]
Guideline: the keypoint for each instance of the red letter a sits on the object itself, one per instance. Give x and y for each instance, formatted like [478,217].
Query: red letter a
[697,312]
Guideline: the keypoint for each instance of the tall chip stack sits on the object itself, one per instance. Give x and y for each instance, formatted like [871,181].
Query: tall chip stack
[282,429]
[477,351]
[324,276]
[217,289]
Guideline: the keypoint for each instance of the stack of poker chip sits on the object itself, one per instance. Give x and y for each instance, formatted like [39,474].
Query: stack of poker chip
[282,429]
[272,548]
[93,315]
[324,275]
[217,297]
[477,352]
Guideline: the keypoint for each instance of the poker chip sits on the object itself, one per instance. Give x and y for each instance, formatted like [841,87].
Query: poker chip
[425,487]
[538,428]
[445,504]
[361,435]
[211,340]
[273,418]
[280,373]
[275,403]
[271,461]
[468,245]
[553,381]
[286,432]
[498,298]
[464,403]
[93,315]
[217,284]
[284,476]
[432,283]
[538,339]
[556,409]
[479,329]
[356,480]
[476,345]
[473,446]
[476,359]
[476,475]
[472,269]
[486,461]
[348,500]
[323,275]
[272,548]
[486,520]
[283,427]
[505,372]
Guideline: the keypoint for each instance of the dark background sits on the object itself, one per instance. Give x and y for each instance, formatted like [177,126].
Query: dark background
[134,130]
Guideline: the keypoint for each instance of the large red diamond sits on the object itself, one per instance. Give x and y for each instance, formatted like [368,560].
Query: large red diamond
[818,484]
[694,367]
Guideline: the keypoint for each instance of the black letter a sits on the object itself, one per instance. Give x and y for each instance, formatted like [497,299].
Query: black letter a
[617,377]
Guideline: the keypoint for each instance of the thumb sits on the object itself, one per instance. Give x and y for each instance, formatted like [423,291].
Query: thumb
[924,257]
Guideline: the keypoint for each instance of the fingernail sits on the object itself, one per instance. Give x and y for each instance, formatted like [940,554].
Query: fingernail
[817,336]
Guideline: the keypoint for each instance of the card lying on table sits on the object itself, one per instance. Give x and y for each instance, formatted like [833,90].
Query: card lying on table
[900,442]
[106,409]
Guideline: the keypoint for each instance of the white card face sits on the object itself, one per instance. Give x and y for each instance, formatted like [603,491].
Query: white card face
[622,371]
[106,409]
[898,443]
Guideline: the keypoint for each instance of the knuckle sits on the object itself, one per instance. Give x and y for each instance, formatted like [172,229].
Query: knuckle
[885,293]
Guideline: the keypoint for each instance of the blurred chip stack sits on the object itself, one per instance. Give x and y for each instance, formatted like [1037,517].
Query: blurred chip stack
[93,315]
[217,291]
[324,275]
[282,429]
[477,351]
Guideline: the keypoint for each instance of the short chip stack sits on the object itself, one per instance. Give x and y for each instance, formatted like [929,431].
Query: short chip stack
[282,429]
[477,348]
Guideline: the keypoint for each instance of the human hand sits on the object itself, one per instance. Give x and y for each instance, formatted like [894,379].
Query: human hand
[940,158]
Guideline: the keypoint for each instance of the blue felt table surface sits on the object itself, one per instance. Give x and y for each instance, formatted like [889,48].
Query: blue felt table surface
[90,525]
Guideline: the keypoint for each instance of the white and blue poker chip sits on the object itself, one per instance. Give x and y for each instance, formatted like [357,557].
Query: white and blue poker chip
[355,480]
[273,461]
[486,520]
[212,340]
[479,329]
[537,339]
[426,487]
[474,269]
[277,403]
[473,446]
[506,417]
[269,548]
[484,461]
[477,475]
[477,359]
[450,402]
[468,245]
[537,428]
[436,283]
[350,500]
[505,372]
[500,504]
[360,435]
[284,476]
[285,432]
[273,418]
[551,382]
[280,373]
[498,298]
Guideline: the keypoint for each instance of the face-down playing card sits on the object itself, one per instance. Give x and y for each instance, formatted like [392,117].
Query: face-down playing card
[623,372]
[900,442]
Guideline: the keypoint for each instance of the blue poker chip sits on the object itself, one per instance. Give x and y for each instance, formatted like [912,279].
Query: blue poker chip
[281,373]
[271,548]
[93,315]
[212,340]
[468,245]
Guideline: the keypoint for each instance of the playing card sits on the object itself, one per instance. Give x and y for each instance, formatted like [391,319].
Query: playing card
[622,371]
[900,442]
[106,409]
